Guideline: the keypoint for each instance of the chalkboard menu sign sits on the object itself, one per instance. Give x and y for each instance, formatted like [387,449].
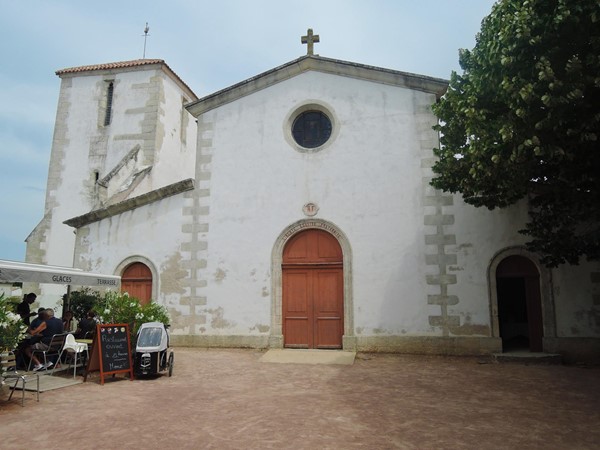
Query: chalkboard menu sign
[114,342]
[111,351]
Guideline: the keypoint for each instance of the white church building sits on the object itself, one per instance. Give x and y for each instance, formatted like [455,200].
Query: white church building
[293,209]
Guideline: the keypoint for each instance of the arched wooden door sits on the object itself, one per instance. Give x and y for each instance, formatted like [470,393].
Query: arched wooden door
[137,281]
[313,291]
[519,304]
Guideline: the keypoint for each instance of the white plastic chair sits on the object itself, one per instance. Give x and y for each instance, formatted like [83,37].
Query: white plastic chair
[72,346]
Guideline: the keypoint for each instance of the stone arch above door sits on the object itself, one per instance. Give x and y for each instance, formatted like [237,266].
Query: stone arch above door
[545,277]
[133,260]
[276,338]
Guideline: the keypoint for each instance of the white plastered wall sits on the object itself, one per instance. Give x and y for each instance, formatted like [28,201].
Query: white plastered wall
[147,111]
[367,182]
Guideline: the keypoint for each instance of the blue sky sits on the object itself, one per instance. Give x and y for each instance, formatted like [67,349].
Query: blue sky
[209,44]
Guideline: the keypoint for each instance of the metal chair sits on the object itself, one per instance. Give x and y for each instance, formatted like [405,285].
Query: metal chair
[89,334]
[8,371]
[54,349]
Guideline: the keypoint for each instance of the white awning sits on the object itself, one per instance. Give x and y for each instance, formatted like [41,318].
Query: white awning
[12,272]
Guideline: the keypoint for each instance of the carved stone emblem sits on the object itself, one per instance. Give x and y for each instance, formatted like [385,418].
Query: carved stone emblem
[310,209]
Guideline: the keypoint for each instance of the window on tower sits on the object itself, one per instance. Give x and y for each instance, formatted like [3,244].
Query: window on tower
[109,100]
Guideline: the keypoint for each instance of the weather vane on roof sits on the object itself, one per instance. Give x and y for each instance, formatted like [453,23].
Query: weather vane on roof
[145,37]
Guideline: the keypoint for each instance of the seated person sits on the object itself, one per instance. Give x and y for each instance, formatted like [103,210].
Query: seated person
[38,320]
[69,323]
[48,328]
[20,350]
[86,326]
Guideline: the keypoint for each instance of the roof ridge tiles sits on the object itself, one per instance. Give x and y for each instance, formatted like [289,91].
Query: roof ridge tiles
[111,65]
[125,65]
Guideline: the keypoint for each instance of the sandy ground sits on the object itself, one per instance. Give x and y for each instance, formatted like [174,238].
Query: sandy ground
[229,399]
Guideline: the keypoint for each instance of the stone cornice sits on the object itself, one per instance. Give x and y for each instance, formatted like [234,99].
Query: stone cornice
[132,203]
[306,63]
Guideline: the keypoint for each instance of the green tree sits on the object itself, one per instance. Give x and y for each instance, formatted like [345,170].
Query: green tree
[83,301]
[523,121]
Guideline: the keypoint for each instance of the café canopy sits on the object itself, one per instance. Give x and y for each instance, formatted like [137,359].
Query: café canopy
[12,272]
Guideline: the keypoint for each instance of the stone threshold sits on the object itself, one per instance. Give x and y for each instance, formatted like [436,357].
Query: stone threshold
[527,357]
[306,356]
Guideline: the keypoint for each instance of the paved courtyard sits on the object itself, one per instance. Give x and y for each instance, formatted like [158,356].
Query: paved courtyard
[229,399]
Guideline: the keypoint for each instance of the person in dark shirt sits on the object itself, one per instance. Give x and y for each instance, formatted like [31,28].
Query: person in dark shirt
[23,308]
[48,328]
[38,320]
[85,326]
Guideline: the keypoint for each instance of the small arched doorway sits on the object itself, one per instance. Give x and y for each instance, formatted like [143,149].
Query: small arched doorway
[313,291]
[519,304]
[137,281]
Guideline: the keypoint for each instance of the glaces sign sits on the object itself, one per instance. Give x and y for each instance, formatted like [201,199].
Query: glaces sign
[14,272]
[61,279]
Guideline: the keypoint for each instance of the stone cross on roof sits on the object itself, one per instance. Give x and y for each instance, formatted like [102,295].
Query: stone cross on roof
[310,39]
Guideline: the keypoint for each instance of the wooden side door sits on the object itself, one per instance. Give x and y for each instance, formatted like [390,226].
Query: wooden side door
[313,291]
[137,281]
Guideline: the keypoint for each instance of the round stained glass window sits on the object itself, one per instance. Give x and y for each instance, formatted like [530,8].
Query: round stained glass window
[311,129]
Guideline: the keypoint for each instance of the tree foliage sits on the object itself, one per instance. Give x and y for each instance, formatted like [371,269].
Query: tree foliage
[83,301]
[523,121]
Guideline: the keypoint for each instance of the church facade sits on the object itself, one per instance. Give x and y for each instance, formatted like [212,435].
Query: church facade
[293,209]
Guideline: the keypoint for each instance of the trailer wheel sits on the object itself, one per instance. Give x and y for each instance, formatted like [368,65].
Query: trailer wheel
[171,364]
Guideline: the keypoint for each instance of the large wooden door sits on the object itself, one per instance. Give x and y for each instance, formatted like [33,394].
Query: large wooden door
[313,291]
[137,281]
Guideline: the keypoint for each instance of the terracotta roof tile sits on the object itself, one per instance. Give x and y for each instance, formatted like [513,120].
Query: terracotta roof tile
[113,65]
[124,65]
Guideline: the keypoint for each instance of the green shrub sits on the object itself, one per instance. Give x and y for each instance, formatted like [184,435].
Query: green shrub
[119,307]
[12,328]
